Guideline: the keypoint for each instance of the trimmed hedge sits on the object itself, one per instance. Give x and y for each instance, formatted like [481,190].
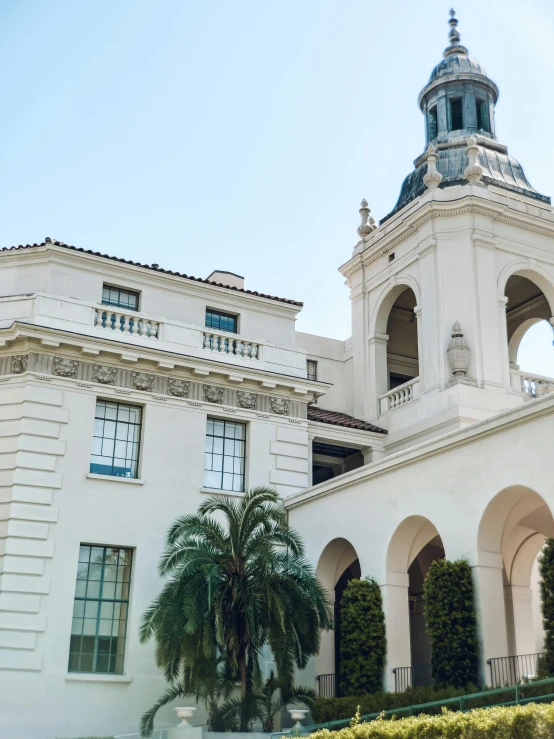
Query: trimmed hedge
[533,721]
[331,709]
[546,570]
[363,645]
[451,623]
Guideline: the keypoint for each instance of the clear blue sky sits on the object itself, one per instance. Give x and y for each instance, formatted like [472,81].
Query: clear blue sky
[243,135]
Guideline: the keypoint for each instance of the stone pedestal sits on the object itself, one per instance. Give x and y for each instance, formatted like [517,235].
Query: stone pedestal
[184,732]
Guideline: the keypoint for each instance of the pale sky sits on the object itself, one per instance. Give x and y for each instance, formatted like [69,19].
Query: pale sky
[243,135]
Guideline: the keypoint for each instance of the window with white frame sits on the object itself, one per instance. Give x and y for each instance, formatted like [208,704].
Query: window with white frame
[225,455]
[100,609]
[116,439]
[119,298]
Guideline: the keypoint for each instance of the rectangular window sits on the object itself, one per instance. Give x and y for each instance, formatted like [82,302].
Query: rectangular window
[116,440]
[432,124]
[456,114]
[311,369]
[482,115]
[225,455]
[119,298]
[221,321]
[100,609]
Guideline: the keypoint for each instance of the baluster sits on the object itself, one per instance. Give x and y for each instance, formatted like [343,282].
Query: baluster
[135,327]
[206,342]
[154,329]
[248,350]
[143,327]
[117,323]
[99,317]
[255,351]
[126,319]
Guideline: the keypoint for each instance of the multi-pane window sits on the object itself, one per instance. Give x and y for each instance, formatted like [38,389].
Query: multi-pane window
[116,440]
[119,298]
[221,321]
[482,115]
[100,609]
[311,369]
[225,454]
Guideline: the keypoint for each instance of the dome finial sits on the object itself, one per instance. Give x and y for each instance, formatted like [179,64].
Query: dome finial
[455,46]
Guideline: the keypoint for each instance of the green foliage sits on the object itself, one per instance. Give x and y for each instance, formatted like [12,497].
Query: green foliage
[451,623]
[532,721]
[236,582]
[331,709]
[546,569]
[363,644]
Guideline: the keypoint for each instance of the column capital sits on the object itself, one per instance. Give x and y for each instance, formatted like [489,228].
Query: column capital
[491,560]
[378,338]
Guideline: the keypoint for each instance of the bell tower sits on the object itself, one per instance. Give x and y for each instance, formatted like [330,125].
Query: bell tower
[444,288]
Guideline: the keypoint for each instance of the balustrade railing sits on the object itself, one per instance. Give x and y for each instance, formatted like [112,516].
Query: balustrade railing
[512,670]
[400,395]
[214,341]
[535,385]
[417,676]
[130,323]
[326,685]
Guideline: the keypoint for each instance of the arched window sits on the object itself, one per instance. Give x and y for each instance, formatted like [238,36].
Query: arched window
[402,347]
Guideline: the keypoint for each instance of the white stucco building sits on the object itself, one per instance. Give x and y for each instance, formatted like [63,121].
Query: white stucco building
[128,393]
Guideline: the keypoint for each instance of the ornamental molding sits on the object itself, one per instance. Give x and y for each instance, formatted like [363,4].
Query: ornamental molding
[65,367]
[19,364]
[104,375]
[247,400]
[142,381]
[279,406]
[212,393]
[178,388]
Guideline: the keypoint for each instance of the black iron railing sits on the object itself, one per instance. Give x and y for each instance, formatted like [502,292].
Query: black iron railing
[326,685]
[418,676]
[513,670]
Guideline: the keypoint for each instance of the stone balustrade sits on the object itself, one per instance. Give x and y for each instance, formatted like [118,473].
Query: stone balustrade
[535,385]
[224,343]
[130,323]
[400,396]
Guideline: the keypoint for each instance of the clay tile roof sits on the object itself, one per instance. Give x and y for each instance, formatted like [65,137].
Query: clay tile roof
[152,267]
[341,419]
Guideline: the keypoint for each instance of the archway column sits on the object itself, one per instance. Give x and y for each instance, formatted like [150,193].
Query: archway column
[519,603]
[378,377]
[397,622]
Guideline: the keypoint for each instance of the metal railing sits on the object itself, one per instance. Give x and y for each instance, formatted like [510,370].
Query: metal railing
[537,691]
[417,676]
[513,670]
[326,686]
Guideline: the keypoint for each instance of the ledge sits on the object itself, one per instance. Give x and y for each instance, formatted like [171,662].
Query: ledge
[114,478]
[218,491]
[95,677]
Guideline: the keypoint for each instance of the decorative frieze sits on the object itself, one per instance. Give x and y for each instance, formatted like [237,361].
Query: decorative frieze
[247,400]
[212,394]
[279,406]
[178,388]
[19,364]
[65,367]
[104,375]
[142,381]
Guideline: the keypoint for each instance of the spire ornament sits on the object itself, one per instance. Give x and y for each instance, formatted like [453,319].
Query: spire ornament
[455,46]
[473,172]
[367,224]
[458,352]
[433,177]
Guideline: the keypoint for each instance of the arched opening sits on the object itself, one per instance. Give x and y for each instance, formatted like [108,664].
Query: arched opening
[337,565]
[402,343]
[528,315]
[515,525]
[415,544]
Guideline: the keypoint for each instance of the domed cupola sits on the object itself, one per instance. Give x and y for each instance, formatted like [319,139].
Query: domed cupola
[458,103]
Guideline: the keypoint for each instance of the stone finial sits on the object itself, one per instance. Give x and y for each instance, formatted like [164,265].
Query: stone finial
[455,47]
[473,172]
[367,224]
[433,177]
[458,352]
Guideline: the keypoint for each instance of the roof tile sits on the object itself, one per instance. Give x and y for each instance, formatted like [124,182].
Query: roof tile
[341,419]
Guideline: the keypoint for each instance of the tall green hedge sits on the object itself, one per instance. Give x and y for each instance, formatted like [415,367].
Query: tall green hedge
[546,570]
[451,623]
[363,643]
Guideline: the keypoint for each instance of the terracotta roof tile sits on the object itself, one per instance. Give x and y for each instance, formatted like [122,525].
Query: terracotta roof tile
[152,267]
[341,419]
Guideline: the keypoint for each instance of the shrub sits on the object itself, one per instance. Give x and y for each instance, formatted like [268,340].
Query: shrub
[533,721]
[546,569]
[451,623]
[331,709]
[362,638]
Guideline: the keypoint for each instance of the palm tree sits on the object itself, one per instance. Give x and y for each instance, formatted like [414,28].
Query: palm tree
[238,581]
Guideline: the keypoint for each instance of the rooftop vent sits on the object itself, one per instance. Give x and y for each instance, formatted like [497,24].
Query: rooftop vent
[230,279]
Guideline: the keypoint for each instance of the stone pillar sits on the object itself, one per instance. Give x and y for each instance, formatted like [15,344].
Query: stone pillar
[378,379]
[373,453]
[489,606]
[325,660]
[397,622]
[310,459]
[519,597]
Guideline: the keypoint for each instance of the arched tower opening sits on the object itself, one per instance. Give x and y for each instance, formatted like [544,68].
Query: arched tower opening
[402,342]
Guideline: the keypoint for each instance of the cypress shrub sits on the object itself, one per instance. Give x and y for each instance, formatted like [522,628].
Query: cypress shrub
[546,570]
[451,623]
[362,638]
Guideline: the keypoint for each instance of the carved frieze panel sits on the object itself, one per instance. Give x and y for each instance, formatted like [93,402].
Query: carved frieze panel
[279,405]
[142,381]
[104,375]
[65,367]
[212,394]
[178,388]
[19,364]
[247,400]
